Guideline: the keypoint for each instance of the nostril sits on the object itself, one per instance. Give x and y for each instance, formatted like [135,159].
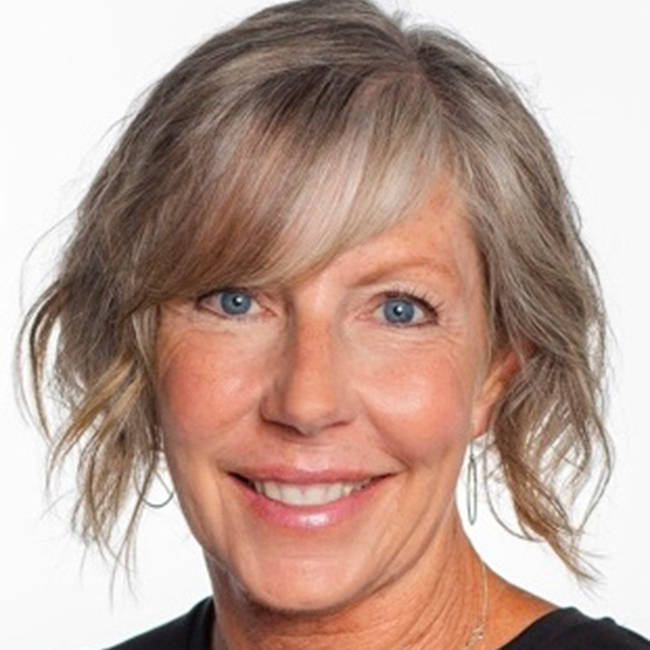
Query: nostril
[307,416]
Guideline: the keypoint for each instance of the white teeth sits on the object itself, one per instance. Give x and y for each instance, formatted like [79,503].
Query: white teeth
[307,495]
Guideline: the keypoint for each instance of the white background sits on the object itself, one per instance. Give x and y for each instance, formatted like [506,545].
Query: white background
[70,69]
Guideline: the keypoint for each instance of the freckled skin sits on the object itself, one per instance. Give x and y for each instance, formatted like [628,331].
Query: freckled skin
[317,379]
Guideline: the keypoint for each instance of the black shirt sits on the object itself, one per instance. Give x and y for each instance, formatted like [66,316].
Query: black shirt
[562,629]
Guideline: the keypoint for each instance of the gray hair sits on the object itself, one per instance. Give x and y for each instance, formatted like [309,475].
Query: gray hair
[308,128]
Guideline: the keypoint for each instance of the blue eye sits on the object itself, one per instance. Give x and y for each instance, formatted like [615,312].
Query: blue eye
[407,310]
[230,302]
[234,302]
[399,310]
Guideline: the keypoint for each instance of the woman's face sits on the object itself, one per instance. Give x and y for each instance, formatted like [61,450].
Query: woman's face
[315,432]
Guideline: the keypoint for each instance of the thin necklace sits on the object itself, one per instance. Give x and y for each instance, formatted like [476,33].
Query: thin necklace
[478,633]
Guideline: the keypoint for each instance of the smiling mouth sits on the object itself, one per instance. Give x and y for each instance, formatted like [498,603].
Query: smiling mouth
[316,494]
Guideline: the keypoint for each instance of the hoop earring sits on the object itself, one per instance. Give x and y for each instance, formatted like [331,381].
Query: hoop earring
[166,501]
[472,486]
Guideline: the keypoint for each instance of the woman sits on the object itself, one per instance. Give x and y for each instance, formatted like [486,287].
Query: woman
[329,256]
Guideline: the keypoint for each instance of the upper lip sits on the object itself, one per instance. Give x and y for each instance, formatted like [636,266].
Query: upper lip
[297,476]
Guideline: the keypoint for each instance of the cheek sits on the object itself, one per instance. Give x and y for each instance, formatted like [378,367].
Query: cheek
[204,389]
[422,405]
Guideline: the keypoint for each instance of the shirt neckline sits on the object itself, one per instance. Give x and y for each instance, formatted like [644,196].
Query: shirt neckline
[544,629]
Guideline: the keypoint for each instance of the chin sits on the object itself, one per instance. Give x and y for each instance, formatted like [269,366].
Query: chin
[302,586]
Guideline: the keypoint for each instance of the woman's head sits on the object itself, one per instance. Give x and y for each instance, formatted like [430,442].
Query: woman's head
[315,430]
[266,153]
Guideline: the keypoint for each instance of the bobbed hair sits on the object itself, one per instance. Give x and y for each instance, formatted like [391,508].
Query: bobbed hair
[274,146]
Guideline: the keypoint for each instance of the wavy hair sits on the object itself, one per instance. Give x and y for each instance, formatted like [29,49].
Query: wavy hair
[308,128]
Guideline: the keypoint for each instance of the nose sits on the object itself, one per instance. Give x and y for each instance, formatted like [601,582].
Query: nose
[309,391]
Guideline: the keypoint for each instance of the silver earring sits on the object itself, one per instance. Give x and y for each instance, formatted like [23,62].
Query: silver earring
[472,486]
[167,500]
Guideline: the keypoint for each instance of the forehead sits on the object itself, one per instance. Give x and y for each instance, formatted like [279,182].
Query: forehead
[435,240]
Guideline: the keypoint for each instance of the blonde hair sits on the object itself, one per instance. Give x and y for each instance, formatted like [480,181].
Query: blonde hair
[274,146]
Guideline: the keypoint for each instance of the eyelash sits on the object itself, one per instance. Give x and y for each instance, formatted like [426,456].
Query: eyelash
[201,300]
[421,299]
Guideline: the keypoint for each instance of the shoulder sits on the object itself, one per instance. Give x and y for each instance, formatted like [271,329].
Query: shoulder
[188,632]
[569,629]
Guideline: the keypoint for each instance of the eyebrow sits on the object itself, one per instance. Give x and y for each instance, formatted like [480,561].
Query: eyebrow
[394,267]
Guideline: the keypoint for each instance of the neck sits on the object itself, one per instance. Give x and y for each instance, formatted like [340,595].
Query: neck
[438,603]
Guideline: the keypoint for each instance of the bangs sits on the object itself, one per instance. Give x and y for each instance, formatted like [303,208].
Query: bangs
[313,164]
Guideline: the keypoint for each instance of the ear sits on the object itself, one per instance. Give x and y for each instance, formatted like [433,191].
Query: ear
[503,369]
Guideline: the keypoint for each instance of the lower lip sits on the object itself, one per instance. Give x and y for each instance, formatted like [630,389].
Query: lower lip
[308,517]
